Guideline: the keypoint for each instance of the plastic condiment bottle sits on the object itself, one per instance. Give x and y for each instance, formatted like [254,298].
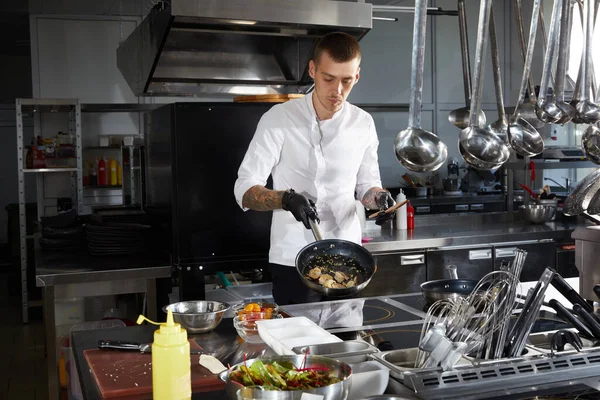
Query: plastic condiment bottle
[119,174]
[102,181]
[401,213]
[410,216]
[171,365]
[112,167]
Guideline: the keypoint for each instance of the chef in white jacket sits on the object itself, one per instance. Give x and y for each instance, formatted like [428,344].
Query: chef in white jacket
[322,152]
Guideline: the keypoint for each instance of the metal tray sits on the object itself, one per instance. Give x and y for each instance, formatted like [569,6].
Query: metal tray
[350,351]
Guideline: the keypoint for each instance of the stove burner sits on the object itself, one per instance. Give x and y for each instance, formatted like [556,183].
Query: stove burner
[381,314]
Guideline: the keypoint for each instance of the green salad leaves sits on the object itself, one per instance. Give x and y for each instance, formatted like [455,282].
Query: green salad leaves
[283,376]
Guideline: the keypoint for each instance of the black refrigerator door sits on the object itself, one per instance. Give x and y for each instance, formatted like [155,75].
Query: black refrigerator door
[210,142]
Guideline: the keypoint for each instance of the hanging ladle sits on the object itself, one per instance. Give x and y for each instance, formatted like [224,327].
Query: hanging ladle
[522,136]
[460,116]
[480,147]
[568,112]
[500,126]
[417,149]
[546,108]
[527,108]
[587,111]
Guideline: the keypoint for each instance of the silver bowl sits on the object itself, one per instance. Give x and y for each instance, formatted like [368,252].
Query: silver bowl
[537,213]
[198,316]
[337,391]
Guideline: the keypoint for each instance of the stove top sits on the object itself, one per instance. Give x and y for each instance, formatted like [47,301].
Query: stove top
[376,312]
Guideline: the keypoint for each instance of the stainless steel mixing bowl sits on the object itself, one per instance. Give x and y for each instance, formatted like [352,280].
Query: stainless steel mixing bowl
[537,213]
[337,391]
[198,316]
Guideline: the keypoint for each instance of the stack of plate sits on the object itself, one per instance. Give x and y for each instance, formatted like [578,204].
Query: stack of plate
[117,238]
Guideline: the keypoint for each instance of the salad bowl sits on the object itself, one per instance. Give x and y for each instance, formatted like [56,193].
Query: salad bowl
[310,374]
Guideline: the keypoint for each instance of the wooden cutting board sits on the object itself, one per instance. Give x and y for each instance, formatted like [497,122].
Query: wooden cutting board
[267,98]
[128,375]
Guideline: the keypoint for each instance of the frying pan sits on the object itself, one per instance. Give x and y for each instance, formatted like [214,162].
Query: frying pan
[321,247]
[444,289]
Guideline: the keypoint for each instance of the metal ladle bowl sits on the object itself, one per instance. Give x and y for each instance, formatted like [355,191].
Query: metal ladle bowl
[587,112]
[524,138]
[419,150]
[549,112]
[568,112]
[460,117]
[528,113]
[482,148]
[590,142]
[500,129]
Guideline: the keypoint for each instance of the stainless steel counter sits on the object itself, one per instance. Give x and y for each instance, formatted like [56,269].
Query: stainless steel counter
[460,230]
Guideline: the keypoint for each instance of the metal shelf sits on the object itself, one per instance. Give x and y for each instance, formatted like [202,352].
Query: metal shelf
[48,170]
[118,107]
[542,164]
[35,107]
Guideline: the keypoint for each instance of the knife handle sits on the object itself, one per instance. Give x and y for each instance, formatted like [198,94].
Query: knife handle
[565,314]
[570,294]
[118,345]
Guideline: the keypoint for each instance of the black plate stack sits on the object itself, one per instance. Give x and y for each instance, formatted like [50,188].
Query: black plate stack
[117,238]
[62,232]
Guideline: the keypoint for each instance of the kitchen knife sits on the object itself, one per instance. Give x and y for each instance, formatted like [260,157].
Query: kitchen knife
[588,320]
[570,294]
[565,314]
[132,346]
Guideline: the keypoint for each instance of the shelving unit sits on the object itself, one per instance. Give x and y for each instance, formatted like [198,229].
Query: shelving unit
[36,107]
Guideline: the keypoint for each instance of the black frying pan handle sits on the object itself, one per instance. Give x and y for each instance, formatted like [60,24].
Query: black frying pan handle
[570,294]
[589,320]
[565,314]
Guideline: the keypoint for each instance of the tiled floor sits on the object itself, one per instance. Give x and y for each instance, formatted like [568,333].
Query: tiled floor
[22,355]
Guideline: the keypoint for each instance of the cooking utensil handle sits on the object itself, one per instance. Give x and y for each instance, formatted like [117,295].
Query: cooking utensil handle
[464,48]
[521,32]
[588,319]
[570,294]
[418,64]
[550,49]
[496,68]
[563,50]
[118,345]
[452,271]
[482,41]
[597,290]
[316,229]
[565,314]
[531,192]
[528,57]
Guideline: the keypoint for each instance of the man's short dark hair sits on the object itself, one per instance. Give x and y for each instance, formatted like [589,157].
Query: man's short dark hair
[340,46]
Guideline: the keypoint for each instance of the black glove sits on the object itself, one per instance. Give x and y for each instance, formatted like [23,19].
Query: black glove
[300,207]
[384,201]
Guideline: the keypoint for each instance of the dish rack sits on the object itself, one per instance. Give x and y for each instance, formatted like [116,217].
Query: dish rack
[512,376]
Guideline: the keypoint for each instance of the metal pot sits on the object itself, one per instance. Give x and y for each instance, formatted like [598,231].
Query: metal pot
[444,289]
[345,248]
[337,391]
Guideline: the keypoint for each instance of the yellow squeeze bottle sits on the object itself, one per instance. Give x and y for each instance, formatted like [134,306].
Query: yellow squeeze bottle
[171,365]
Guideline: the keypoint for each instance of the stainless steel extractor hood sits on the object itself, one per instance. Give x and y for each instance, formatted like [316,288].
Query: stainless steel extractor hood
[195,47]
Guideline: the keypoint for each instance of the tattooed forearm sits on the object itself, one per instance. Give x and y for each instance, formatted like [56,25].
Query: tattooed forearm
[368,199]
[259,198]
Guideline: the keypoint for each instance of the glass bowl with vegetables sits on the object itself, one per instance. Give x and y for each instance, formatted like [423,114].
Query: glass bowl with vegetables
[256,310]
[291,376]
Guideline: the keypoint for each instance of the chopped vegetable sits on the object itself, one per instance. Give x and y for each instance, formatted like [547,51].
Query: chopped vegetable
[283,376]
[334,271]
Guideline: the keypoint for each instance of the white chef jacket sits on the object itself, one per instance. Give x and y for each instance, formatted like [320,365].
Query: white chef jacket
[326,161]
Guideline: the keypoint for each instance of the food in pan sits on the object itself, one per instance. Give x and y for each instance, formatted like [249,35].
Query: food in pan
[334,271]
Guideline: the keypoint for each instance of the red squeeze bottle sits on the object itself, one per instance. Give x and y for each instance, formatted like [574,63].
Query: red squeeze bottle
[102,180]
[410,216]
